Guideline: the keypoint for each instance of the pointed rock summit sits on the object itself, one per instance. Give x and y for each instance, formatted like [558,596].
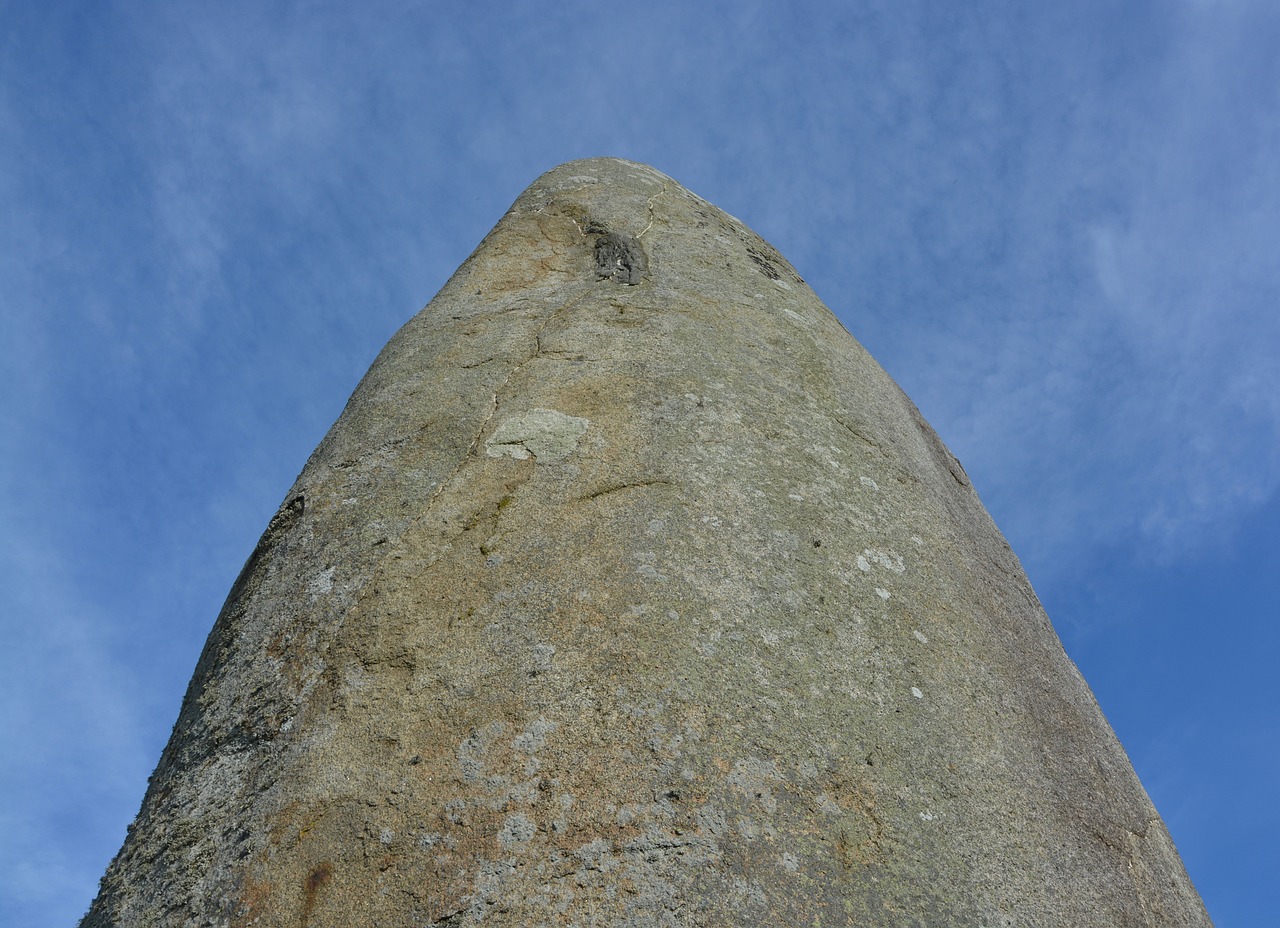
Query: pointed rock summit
[628,590]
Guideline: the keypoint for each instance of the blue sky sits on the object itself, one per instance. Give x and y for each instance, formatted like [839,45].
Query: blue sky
[1056,226]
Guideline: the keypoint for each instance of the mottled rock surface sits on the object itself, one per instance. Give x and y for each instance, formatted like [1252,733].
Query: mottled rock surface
[628,590]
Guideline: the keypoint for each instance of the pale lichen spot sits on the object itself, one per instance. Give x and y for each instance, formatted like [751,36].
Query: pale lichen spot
[471,752]
[919,636]
[828,805]
[886,559]
[915,691]
[517,829]
[644,172]
[544,434]
[533,738]
[647,567]
[754,778]
[882,593]
[321,583]
[868,482]
[595,855]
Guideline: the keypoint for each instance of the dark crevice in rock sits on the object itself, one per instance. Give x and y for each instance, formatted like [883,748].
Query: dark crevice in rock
[620,258]
[616,487]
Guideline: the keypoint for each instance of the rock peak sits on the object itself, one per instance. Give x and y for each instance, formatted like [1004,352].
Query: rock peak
[629,590]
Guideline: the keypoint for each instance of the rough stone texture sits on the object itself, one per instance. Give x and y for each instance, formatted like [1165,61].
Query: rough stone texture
[628,590]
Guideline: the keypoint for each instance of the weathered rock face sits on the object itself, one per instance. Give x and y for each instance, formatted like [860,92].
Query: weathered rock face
[629,590]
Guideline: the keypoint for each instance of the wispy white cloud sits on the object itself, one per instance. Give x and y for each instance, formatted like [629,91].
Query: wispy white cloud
[1104,358]
[73,724]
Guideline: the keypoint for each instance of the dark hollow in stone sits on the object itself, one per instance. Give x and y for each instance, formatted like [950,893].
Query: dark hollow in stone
[621,258]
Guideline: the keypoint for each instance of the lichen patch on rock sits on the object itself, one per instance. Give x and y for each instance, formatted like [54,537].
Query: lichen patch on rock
[545,434]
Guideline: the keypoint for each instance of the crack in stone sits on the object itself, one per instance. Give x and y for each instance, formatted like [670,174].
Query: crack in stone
[649,204]
[860,435]
[616,487]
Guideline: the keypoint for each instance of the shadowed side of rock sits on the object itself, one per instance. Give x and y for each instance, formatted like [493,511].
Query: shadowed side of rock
[629,590]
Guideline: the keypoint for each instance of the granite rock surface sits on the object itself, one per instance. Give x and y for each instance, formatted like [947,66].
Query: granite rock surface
[628,590]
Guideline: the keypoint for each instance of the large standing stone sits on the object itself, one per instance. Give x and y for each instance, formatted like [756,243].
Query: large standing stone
[629,590]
